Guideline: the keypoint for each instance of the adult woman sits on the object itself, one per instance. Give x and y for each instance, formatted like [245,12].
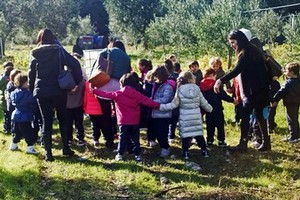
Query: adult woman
[120,63]
[46,61]
[253,87]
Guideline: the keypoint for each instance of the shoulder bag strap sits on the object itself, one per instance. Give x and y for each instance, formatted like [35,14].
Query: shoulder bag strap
[108,61]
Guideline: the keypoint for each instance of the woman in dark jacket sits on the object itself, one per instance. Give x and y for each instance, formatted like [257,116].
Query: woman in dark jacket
[46,61]
[253,85]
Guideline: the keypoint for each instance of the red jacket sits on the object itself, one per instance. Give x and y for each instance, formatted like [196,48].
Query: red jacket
[128,101]
[91,104]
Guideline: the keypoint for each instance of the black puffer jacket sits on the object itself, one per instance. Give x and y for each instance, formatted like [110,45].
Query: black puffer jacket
[44,69]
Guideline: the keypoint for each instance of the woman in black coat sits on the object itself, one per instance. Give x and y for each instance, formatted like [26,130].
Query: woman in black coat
[46,61]
[254,87]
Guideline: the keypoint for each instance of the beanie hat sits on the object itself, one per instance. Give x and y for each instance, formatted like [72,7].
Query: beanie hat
[247,33]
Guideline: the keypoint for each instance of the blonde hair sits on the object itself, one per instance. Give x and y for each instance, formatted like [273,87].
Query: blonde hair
[184,78]
[215,60]
[13,74]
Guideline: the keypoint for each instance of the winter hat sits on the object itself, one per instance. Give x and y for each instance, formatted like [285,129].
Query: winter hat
[247,33]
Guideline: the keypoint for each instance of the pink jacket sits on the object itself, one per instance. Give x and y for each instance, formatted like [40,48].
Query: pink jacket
[128,101]
[91,105]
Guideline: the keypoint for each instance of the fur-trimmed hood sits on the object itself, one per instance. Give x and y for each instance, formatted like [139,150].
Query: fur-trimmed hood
[45,52]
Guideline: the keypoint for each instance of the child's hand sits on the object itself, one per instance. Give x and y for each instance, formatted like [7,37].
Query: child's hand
[274,104]
[235,101]
[217,86]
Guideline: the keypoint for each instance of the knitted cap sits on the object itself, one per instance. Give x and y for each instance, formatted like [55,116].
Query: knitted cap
[247,33]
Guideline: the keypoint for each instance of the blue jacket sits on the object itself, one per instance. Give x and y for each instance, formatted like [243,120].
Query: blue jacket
[23,101]
[162,93]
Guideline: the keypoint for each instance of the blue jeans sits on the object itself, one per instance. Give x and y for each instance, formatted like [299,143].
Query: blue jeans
[129,133]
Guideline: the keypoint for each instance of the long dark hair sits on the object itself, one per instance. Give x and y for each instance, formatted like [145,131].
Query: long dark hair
[244,45]
[45,36]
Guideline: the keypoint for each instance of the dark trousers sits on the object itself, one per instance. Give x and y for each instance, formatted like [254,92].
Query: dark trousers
[7,121]
[107,122]
[47,106]
[172,126]
[271,119]
[129,134]
[150,134]
[292,117]
[97,126]
[245,124]
[24,129]
[186,143]
[160,128]
[75,115]
[215,119]
[238,112]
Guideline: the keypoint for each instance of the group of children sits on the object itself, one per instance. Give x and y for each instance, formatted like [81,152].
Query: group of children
[159,99]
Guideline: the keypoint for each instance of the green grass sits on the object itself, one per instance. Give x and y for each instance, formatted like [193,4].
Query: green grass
[93,173]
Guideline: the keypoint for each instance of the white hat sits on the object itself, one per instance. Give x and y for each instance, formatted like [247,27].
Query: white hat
[247,33]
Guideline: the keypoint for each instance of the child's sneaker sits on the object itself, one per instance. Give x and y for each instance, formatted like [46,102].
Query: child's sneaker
[164,152]
[185,155]
[222,144]
[138,158]
[152,143]
[13,147]
[119,157]
[294,140]
[96,144]
[82,143]
[204,153]
[31,150]
[171,140]
[209,143]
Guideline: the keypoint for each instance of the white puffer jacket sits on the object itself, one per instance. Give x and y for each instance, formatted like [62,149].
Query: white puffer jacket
[189,98]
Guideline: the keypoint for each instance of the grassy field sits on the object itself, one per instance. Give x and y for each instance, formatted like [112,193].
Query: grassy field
[94,174]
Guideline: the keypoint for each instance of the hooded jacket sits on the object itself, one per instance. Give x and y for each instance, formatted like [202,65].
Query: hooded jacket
[189,99]
[215,100]
[44,68]
[289,92]
[23,101]
[128,101]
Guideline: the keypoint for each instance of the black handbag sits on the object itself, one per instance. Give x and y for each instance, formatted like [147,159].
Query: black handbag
[65,77]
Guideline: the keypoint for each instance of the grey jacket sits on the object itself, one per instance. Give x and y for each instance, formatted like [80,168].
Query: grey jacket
[189,98]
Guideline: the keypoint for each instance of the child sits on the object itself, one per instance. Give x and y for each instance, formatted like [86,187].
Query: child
[290,93]
[215,119]
[91,107]
[144,67]
[75,114]
[189,99]
[22,116]
[194,68]
[4,79]
[216,64]
[128,101]
[162,92]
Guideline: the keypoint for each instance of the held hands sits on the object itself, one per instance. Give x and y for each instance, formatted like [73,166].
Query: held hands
[235,101]
[217,86]
[274,104]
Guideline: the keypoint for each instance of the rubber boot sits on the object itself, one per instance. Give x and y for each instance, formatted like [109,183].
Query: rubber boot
[266,144]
